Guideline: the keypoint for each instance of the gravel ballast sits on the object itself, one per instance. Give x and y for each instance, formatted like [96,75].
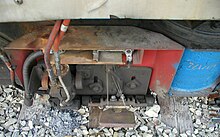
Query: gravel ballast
[43,120]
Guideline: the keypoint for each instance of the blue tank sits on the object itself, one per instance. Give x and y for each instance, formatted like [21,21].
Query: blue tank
[198,73]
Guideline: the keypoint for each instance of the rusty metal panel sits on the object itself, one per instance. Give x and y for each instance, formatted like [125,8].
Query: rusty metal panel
[117,118]
[111,118]
[36,10]
[86,57]
[98,38]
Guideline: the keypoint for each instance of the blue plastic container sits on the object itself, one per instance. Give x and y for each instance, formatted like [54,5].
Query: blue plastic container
[198,73]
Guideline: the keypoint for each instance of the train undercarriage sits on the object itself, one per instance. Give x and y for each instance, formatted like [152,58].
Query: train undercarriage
[109,68]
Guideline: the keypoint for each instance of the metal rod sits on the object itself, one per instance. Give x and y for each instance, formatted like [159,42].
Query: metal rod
[65,90]
[119,90]
[115,83]
[107,86]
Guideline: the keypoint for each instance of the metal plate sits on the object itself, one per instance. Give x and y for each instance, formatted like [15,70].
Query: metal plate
[111,118]
[85,57]
[98,38]
[89,72]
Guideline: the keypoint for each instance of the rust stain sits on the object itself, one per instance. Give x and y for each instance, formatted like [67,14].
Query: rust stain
[97,38]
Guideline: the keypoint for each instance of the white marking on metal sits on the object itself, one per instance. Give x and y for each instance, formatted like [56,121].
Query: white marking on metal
[63,28]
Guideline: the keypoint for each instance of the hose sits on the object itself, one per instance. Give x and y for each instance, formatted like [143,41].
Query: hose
[26,75]
[48,47]
[63,29]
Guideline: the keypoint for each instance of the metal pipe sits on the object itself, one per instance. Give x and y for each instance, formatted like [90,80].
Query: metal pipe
[63,29]
[107,82]
[48,47]
[65,90]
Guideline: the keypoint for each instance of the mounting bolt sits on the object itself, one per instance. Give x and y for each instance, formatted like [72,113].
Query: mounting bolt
[128,53]
[19,2]
[96,88]
[113,98]
[133,85]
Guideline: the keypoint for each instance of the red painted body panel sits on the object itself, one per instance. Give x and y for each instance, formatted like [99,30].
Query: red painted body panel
[17,59]
[163,64]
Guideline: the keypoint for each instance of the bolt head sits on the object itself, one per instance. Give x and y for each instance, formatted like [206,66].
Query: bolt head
[133,85]
[95,88]
[19,2]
